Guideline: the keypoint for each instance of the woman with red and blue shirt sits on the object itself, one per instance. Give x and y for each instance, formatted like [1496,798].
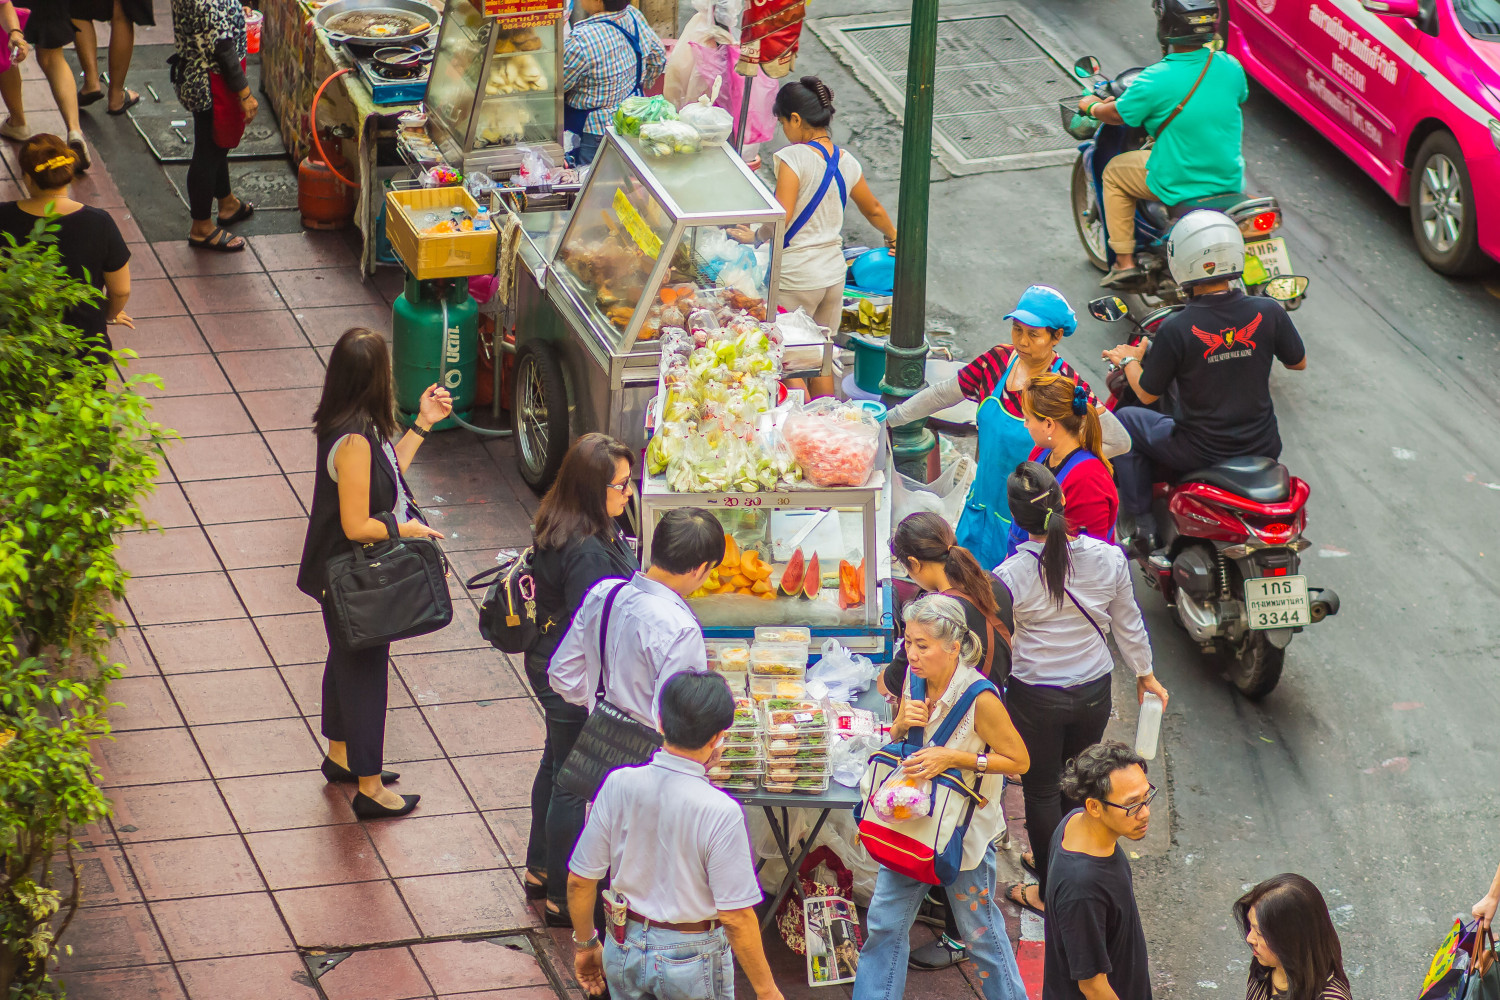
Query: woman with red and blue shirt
[1070,442]
[995,381]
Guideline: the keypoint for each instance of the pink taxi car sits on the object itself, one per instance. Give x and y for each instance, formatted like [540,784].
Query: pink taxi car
[1409,89]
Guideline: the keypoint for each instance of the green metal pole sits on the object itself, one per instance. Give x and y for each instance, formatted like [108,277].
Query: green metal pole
[906,350]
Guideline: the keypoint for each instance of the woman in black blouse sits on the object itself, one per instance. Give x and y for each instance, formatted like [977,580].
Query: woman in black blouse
[578,543]
[358,496]
[1295,950]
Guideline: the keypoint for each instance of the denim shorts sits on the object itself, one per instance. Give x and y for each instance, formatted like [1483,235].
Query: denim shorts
[669,965]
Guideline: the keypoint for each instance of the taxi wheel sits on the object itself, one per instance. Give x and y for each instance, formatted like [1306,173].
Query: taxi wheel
[539,414]
[1442,208]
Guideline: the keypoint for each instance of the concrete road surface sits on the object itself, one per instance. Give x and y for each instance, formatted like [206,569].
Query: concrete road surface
[1372,768]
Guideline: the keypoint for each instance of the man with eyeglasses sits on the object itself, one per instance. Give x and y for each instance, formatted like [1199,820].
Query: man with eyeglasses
[1095,947]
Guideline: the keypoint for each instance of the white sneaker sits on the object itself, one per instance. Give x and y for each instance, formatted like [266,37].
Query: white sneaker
[80,148]
[20,133]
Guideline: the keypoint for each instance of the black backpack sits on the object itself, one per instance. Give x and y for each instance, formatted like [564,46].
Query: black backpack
[507,615]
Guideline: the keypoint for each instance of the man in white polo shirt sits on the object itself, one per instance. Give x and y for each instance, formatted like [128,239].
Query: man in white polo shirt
[678,856]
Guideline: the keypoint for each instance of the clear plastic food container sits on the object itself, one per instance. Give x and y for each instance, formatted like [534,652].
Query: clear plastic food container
[788,774]
[805,786]
[799,714]
[776,688]
[728,656]
[778,659]
[812,745]
[793,634]
[744,713]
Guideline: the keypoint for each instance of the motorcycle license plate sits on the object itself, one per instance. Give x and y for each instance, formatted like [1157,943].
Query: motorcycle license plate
[1272,255]
[1277,602]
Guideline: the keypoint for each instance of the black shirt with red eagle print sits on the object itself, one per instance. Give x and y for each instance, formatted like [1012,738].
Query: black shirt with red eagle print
[1219,351]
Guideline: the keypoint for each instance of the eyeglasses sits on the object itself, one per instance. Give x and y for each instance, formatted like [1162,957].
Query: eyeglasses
[1134,810]
[624,487]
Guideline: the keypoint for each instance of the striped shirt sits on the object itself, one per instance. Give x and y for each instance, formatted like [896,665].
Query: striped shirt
[599,65]
[1259,987]
[979,377]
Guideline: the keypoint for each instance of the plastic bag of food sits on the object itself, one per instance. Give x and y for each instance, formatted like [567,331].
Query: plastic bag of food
[634,112]
[713,124]
[835,443]
[668,138]
[902,797]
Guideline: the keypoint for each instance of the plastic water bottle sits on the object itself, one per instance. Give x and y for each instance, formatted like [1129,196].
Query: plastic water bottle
[1148,728]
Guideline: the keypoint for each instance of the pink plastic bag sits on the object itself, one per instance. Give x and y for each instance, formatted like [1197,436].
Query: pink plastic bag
[711,62]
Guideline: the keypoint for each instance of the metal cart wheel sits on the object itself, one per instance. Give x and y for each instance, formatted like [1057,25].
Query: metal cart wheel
[539,414]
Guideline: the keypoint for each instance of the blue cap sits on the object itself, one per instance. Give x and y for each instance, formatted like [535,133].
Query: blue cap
[1042,305]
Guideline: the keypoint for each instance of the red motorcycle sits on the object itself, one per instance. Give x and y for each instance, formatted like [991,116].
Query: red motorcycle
[1231,536]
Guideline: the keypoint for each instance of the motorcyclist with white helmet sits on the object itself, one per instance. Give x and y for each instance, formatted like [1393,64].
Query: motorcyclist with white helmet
[1189,103]
[1218,350]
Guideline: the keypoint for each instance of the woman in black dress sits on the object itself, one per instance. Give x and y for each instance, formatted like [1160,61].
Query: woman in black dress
[577,544]
[359,496]
[122,17]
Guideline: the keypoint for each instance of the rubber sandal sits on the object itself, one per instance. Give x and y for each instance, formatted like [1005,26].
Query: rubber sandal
[89,97]
[218,241]
[1010,894]
[244,212]
[131,100]
[1120,278]
[1028,862]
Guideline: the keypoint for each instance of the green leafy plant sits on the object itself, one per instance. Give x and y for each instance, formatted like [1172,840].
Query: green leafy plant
[78,453]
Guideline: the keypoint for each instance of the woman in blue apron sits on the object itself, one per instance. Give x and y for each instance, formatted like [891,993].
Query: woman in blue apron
[1070,442]
[610,55]
[995,380]
[815,181]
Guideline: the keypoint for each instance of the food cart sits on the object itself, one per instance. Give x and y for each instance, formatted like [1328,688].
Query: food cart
[585,322]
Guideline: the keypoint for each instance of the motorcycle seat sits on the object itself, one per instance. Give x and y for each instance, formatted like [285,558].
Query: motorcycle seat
[1222,202]
[1263,480]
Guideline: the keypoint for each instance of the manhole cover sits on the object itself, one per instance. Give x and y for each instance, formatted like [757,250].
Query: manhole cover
[996,88]
[269,184]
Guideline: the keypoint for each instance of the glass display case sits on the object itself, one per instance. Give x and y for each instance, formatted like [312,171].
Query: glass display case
[818,558]
[494,89]
[647,231]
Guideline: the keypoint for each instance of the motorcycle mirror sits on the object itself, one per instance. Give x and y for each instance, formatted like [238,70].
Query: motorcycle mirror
[1286,287]
[1109,309]
[1086,67]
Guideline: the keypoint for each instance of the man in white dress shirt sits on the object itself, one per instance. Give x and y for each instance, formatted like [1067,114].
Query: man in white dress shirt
[678,855]
[652,632]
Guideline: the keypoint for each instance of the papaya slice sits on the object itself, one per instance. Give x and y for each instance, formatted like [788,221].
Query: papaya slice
[741,581]
[746,591]
[753,566]
[731,558]
[769,595]
[792,576]
[813,584]
[761,587]
[850,595]
[728,588]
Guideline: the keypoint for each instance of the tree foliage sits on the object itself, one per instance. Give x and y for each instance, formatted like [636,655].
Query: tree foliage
[78,453]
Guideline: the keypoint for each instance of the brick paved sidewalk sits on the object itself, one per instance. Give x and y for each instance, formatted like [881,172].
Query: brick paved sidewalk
[231,871]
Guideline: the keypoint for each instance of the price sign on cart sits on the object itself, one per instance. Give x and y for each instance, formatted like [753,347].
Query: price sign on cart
[524,13]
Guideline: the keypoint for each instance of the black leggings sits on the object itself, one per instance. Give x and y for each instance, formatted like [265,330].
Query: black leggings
[1056,724]
[208,173]
[354,697]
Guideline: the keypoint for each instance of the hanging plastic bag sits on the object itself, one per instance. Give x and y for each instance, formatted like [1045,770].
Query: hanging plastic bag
[944,496]
[839,674]
[634,112]
[713,124]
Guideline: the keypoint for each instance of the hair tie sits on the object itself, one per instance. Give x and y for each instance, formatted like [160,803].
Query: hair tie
[60,160]
[952,547]
[1080,400]
[1047,521]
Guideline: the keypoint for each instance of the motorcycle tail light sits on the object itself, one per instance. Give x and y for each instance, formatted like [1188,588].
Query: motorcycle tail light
[1261,223]
[1280,571]
[1276,533]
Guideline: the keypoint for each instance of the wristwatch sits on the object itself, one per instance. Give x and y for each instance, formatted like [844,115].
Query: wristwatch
[982,763]
[1127,359]
[586,945]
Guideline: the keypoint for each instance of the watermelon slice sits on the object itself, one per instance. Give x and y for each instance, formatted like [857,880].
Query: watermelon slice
[813,583]
[792,576]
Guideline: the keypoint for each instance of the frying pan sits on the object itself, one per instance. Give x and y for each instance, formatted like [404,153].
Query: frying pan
[332,10]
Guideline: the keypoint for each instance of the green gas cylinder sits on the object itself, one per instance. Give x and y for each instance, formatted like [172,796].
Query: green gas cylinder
[423,350]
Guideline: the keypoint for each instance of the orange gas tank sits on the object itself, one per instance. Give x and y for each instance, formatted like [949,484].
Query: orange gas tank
[325,201]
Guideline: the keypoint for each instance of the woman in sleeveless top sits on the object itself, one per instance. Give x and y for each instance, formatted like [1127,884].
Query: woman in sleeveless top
[815,180]
[359,496]
[943,651]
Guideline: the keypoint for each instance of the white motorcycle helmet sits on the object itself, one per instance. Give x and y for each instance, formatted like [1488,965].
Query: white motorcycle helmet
[1205,246]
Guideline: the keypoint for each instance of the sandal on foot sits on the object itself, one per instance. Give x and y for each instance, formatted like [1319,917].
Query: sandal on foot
[1028,862]
[537,889]
[220,240]
[1020,898]
[1121,278]
[85,98]
[240,215]
[131,100]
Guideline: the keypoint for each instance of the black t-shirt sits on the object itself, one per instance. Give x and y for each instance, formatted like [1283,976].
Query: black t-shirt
[1093,925]
[895,671]
[91,247]
[1219,351]
[565,576]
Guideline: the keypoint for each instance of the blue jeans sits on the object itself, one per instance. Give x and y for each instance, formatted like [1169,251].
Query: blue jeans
[587,149]
[1154,444]
[882,961]
[658,964]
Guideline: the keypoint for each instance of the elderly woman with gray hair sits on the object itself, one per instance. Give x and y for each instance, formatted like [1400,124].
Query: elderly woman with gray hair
[943,652]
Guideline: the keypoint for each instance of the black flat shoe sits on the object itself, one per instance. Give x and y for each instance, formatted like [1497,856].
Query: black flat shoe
[557,919]
[335,773]
[535,890]
[367,808]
